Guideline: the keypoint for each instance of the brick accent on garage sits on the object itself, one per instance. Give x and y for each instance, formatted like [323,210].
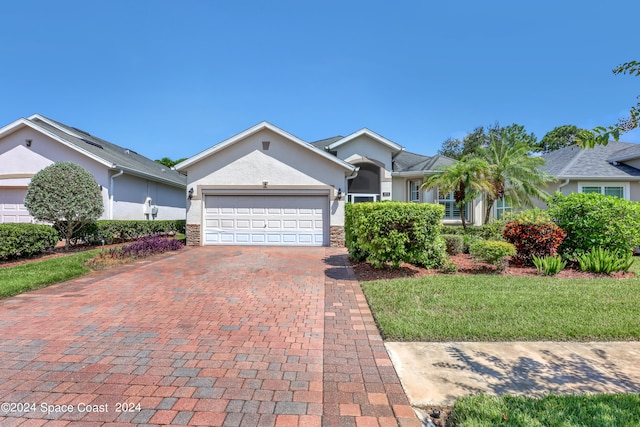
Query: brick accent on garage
[336,238]
[193,235]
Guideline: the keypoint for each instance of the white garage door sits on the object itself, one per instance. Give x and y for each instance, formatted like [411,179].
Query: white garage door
[265,220]
[12,205]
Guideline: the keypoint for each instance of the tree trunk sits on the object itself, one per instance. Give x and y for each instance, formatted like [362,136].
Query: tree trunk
[487,210]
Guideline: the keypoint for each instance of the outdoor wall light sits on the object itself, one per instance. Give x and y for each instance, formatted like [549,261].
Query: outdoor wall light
[339,193]
[264,184]
[190,193]
[28,141]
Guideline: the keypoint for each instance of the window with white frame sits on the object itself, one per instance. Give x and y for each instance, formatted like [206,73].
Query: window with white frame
[414,191]
[451,211]
[616,189]
[501,208]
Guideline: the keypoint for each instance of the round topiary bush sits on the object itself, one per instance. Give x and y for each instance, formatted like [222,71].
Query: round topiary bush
[65,195]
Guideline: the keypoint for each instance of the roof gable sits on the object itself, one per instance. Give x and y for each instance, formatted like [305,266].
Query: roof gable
[253,130]
[395,148]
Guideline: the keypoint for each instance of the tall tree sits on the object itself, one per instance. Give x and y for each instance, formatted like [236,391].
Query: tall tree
[559,137]
[455,148]
[514,174]
[481,137]
[464,178]
[602,134]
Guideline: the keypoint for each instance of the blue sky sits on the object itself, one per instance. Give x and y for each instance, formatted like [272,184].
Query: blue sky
[172,78]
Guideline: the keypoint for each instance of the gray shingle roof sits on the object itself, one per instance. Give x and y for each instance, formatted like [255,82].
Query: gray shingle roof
[326,142]
[592,162]
[118,156]
[406,161]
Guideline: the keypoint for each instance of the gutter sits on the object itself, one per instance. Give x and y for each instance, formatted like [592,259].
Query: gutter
[111,185]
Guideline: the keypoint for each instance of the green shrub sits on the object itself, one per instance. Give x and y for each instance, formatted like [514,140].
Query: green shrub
[65,195]
[533,234]
[493,252]
[593,220]
[549,265]
[448,267]
[454,243]
[395,232]
[110,231]
[469,240]
[24,240]
[601,260]
[490,231]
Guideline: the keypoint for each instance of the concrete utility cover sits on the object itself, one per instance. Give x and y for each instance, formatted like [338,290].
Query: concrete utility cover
[439,373]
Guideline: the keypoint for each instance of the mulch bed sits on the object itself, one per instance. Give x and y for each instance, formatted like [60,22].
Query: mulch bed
[466,265]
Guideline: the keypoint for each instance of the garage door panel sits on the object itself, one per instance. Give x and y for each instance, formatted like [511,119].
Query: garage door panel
[12,206]
[265,220]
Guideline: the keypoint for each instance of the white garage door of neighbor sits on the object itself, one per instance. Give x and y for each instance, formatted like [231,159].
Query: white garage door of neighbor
[265,220]
[12,205]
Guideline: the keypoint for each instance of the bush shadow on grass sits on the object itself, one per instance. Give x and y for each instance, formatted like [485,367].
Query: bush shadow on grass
[528,376]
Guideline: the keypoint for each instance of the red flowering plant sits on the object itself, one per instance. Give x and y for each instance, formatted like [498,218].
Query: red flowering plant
[532,233]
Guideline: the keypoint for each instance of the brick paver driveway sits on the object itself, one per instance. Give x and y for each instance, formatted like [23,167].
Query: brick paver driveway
[210,336]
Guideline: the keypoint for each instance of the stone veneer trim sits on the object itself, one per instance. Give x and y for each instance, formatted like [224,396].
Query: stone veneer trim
[193,235]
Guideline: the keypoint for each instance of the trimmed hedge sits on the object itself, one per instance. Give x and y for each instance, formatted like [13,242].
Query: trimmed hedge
[395,232]
[114,231]
[593,220]
[24,240]
[490,231]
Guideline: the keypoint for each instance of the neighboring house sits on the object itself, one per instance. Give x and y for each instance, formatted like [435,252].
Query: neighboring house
[613,170]
[265,186]
[132,186]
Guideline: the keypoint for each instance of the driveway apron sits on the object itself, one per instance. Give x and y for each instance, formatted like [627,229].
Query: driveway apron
[210,336]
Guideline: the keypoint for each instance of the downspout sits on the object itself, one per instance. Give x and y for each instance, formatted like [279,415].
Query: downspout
[349,178]
[111,185]
[566,181]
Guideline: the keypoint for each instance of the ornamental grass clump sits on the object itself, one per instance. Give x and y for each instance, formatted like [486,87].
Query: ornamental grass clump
[549,265]
[601,260]
[534,235]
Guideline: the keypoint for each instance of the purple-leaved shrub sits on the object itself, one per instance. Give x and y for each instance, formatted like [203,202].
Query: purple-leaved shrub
[146,246]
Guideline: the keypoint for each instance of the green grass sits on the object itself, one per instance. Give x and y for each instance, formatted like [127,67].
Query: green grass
[503,308]
[566,411]
[38,274]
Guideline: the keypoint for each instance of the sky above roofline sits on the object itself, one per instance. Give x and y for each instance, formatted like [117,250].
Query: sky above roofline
[174,78]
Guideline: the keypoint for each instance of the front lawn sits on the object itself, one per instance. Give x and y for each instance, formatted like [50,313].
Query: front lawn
[504,308]
[33,275]
[553,410]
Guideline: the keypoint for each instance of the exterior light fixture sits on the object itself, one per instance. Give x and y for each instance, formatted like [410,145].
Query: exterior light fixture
[264,184]
[339,193]
[28,141]
[190,193]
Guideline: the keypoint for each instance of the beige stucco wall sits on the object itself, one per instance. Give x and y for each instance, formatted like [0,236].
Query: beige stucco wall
[131,192]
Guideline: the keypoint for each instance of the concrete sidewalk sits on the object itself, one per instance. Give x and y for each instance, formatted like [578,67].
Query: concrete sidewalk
[436,374]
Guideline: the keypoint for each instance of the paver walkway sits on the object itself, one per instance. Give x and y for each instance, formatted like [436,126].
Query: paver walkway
[211,336]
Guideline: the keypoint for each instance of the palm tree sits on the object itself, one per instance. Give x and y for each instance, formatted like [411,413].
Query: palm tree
[465,178]
[514,174]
